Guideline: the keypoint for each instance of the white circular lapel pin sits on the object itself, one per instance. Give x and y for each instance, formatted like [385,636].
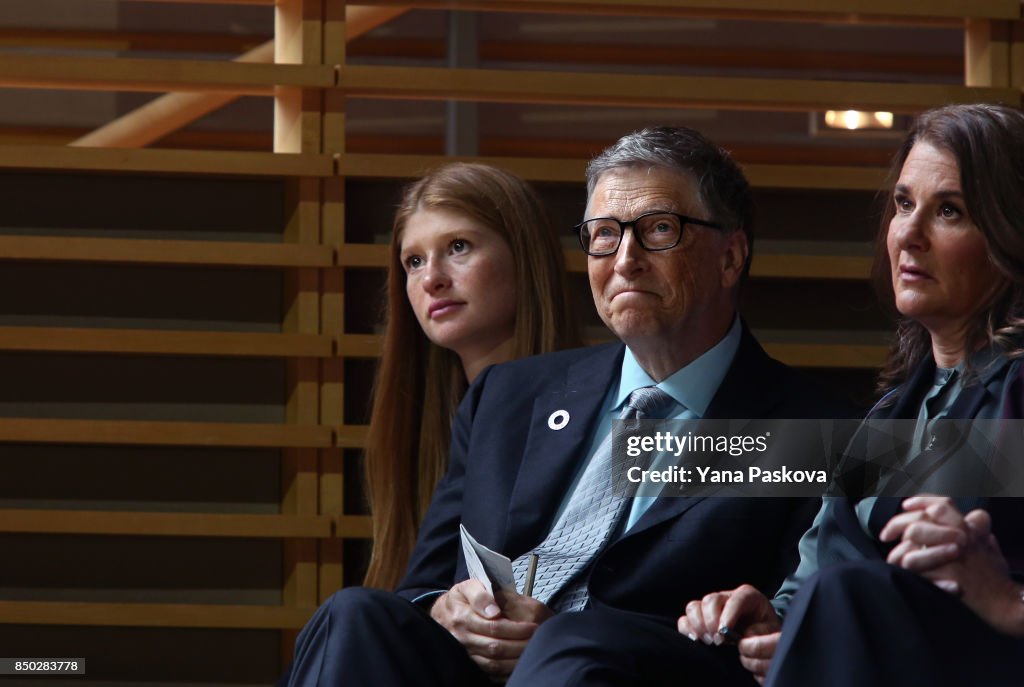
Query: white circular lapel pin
[558,419]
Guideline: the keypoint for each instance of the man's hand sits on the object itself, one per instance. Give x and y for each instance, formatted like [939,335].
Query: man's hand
[493,638]
[522,608]
[746,615]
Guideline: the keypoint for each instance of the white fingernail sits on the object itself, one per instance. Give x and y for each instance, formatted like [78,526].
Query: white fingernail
[706,639]
[692,636]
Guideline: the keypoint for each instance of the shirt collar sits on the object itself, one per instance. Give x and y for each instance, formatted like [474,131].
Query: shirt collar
[986,362]
[693,385]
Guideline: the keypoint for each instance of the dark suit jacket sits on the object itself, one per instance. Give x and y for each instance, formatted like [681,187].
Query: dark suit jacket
[840,536]
[510,472]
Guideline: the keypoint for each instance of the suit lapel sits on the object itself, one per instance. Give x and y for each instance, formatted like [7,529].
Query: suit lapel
[551,456]
[749,389]
[745,392]
[971,398]
[907,406]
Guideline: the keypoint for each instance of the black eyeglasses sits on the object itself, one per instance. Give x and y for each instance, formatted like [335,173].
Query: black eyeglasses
[654,231]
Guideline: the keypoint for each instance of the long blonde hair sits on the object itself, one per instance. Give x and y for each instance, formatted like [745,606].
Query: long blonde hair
[419,385]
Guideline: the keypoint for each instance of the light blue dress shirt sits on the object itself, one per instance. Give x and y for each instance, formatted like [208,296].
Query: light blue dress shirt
[692,387]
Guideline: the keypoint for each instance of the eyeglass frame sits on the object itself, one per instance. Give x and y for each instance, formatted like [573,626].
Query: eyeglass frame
[631,224]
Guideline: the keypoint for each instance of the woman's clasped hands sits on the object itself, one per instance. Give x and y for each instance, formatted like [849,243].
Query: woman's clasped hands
[959,554]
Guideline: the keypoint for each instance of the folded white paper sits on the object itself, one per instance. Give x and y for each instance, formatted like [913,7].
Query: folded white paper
[490,567]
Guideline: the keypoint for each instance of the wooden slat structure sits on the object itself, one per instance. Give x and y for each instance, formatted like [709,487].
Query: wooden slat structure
[363,165]
[199,162]
[296,377]
[639,90]
[147,433]
[144,75]
[163,524]
[911,11]
[818,355]
[150,342]
[163,252]
[790,264]
[153,615]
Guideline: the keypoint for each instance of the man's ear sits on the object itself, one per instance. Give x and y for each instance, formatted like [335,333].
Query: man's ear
[734,258]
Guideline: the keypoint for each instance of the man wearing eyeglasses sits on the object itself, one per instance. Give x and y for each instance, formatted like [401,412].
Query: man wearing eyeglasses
[668,233]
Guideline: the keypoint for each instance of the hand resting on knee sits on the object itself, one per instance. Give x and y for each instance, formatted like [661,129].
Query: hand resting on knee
[493,631]
[746,615]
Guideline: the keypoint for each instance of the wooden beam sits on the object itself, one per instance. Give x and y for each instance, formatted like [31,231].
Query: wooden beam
[872,152]
[143,433]
[368,165]
[152,615]
[163,252]
[1017,54]
[213,2]
[785,259]
[354,165]
[361,20]
[853,267]
[164,342]
[339,28]
[362,255]
[643,90]
[358,345]
[125,41]
[198,139]
[987,52]
[168,113]
[731,57]
[929,12]
[486,85]
[153,75]
[909,11]
[350,436]
[816,177]
[173,111]
[352,527]
[218,162]
[828,355]
[147,524]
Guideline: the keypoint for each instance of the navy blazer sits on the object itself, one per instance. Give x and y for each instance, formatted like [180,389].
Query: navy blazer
[510,471]
[840,536]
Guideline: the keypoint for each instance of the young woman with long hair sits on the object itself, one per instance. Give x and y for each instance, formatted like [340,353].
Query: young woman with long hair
[476,277]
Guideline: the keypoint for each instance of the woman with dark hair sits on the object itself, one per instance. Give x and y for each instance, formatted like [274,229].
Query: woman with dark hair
[918,591]
[476,277]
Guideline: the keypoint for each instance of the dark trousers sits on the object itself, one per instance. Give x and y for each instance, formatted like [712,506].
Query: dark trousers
[869,624]
[364,637]
[602,647]
[369,638]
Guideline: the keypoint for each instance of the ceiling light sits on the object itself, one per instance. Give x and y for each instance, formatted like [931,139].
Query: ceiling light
[855,119]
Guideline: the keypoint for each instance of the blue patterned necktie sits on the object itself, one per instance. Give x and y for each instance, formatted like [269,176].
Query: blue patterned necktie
[586,524]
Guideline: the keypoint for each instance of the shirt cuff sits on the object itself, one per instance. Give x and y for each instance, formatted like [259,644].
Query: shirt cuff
[427,599]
